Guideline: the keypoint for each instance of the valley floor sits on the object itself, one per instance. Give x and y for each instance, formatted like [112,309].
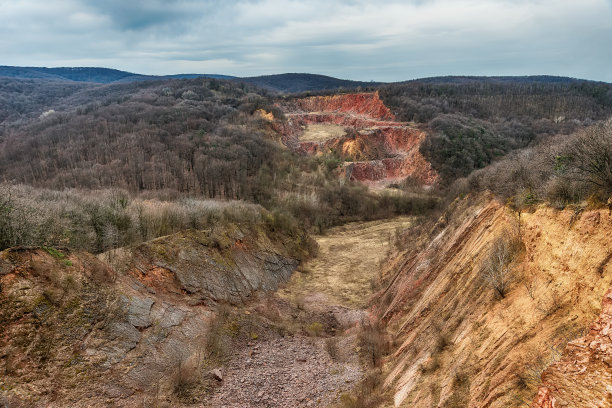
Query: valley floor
[308,354]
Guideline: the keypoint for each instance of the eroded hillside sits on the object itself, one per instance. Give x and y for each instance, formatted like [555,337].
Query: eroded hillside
[582,377]
[75,332]
[360,130]
[465,338]
[193,319]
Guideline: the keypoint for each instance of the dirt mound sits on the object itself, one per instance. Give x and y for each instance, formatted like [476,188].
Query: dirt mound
[376,149]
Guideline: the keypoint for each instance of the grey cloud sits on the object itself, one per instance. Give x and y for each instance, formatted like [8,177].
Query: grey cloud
[358,39]
[146,14]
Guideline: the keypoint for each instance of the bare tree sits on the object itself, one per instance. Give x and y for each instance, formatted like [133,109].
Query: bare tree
[6,208]
[496,268]
[591,156]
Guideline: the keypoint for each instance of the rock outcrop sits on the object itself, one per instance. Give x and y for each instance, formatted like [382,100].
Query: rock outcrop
[583,376]
[75,332]
[365,105]
[232,267]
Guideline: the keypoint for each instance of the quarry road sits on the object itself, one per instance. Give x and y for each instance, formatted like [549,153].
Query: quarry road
[316,359]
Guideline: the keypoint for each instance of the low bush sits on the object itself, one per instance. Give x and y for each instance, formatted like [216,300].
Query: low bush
[331,346]
[563,170]
[367,394]
[496,268]
[373,343]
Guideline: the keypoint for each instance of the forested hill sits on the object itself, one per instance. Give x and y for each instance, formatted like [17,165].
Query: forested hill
[90,74]
[460,79]
[142,135]
[291,82]
[473,121]
[283,83]
[294,82]
[470,121]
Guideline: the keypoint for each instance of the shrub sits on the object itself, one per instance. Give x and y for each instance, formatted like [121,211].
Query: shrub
[331,346]
[314,329]
[185,377]
[590,156]
[374,344]
[442,341]
[367,394]
[496,267]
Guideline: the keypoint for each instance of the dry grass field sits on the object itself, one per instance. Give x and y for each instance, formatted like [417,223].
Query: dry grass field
[348,260]
[320,132]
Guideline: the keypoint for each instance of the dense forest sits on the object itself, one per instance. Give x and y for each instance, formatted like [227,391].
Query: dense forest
[170,139]
[473,121]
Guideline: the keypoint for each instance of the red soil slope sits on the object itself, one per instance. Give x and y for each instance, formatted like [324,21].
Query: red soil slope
[583,376]
[376,148]
[367,105]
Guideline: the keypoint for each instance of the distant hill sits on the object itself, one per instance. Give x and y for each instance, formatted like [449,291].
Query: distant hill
[283,83]
[91,74]
[277,83]
[543,79]
[294,82]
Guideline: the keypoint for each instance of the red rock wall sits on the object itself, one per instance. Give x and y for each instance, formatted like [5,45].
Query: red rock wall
[583,376]
[375,144]
[367,105]
[393,169]
[341,119]
[382,149]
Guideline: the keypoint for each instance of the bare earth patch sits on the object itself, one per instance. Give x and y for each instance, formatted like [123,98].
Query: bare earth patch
[348,260]
[286,372]
[320,132]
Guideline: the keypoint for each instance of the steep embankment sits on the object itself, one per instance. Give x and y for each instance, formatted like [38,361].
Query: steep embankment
[190,319]
[74,332]
[458,343]
[583,376]
[363,132]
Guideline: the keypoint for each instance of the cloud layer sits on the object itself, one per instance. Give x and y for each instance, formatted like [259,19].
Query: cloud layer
[355,39]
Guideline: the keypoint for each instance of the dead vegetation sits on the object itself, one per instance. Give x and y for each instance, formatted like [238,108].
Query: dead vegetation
[497,266]
[369,393]
[336,272]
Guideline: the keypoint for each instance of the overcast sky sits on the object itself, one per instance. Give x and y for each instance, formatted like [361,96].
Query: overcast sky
[353,39]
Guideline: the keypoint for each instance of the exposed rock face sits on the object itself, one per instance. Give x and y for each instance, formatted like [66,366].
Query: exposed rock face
[377,149]
[74,332]
[460,345]
[367,105]
[230,270]
[583,376]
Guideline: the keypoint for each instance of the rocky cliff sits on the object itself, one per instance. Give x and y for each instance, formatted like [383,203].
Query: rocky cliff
[365,105]
[466,338]
[583,376]
[76,332]
[360,130]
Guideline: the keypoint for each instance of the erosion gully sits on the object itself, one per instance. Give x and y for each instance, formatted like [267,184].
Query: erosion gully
[314,358]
